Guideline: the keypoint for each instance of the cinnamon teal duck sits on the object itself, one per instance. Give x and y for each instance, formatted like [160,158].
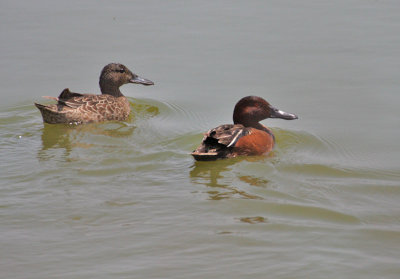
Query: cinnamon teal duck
[246,136]
[84,108]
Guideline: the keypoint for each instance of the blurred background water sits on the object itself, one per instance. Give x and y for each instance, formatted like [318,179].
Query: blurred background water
[126,200]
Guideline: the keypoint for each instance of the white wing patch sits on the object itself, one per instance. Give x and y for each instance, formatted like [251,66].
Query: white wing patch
[235,138]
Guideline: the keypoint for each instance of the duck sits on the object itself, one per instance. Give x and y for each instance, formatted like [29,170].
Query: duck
[80,108]
[246,137]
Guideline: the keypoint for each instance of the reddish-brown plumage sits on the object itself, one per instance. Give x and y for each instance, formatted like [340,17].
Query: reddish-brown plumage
[246,137]
[258,142]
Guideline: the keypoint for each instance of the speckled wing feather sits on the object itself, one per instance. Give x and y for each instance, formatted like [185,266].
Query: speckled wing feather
[66,94]
[227,134]
[75,100]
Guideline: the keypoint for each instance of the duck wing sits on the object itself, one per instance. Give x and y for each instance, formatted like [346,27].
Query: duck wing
[68,98]
[226,135]
[76,100]
[66,95]
[219,142]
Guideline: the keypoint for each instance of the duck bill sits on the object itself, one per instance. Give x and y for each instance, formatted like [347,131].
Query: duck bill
[140,80]
[276,113]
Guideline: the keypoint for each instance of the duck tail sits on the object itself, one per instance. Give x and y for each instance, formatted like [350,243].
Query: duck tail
[50,113]
[207,156]
[43,107]
[210,151]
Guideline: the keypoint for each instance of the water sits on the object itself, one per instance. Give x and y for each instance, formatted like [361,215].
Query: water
[126,200]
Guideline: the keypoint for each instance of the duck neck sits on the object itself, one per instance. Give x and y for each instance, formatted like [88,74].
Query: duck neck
[110,90]
[258,126]
[252,124]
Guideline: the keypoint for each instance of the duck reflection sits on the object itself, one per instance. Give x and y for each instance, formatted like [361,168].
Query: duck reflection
[66,137]
[141,110]
[254,181]
[211,175]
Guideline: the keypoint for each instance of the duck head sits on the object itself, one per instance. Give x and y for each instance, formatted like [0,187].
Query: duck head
[252,109]
[115,75]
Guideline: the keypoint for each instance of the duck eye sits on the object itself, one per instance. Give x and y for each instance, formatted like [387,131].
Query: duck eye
[121,71]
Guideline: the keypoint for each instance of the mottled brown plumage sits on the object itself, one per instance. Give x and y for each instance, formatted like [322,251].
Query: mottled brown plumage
[84,108]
